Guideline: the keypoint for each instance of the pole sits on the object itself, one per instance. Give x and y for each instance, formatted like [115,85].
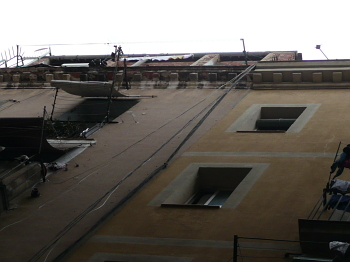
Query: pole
[335,157]
[43,173]
[125,78]
[42,130]
[319,47]
[244,52]
[119,52]
[17,55]
[54,103]
[235,248]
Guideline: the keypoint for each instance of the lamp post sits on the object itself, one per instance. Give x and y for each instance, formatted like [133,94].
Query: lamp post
[244,52]
[319,47]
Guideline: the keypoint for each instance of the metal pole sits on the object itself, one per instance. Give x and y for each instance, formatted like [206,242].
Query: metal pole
[319,47]
[42,130]
[119,52]
[54,103]
[235,248]
[41,142]
[125,78]
[244,52]
[335,157]
[17,55]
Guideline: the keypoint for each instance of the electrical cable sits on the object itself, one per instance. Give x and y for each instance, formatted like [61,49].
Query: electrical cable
[170,120]
[93,205]
[234,82]
[165,164]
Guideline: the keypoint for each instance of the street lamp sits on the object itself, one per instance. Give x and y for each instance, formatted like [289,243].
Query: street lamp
[319,47]
[244,52]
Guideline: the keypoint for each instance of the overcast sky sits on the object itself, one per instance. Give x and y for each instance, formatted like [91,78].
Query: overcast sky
[191,26]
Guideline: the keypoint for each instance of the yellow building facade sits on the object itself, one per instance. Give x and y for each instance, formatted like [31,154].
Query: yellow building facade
[272,179]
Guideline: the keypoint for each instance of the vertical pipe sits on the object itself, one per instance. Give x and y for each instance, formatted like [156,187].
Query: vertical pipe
[119,52]
[41,142]
[17,54]
[235,248]
[54,103]
[42,131]
[125,78]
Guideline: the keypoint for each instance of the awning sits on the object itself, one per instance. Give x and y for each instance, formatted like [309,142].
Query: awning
[87,88]
[158,58]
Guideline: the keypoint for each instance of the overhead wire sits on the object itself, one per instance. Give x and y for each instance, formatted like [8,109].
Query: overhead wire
[149,134]
[215,103]
[129,147]
[92,207]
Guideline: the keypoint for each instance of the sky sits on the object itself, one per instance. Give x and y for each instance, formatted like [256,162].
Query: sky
[78,27]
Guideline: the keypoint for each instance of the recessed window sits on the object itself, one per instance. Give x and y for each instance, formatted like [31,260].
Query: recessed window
[262,118]
[214,185]
[277,118]
[209,197]
[115,257]
[210,185]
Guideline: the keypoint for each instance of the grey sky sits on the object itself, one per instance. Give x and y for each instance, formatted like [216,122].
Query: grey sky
[156,26]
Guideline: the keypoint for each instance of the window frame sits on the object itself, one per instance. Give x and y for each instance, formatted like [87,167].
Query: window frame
[180,189]
[247,121]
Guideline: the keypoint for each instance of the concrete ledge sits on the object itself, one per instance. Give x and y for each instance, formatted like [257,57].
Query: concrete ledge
[277,77]
[16,78]
[193,77]
[231,76]
[213,77]
[137,77]
[257,78]
[66,77]
[174,77]
[337,77]
[33,77]
[155,76]
[49,77]
[317,77]
[296,77]
[308,85]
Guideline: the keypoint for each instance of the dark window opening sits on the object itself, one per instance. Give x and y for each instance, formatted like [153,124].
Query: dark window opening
[214,185]
[277,118]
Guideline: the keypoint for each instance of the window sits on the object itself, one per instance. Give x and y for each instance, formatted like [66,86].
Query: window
[210,185]
[289,118]
[214,185]
[209,197]
[115,257]
[277,118]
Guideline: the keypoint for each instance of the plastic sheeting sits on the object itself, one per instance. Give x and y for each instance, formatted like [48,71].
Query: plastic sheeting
[158,58]
[87,88]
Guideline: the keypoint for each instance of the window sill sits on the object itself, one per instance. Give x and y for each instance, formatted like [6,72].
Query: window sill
[191,206]
[261,131]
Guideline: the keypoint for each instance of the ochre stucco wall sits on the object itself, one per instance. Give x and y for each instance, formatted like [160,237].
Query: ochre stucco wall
[287,190]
